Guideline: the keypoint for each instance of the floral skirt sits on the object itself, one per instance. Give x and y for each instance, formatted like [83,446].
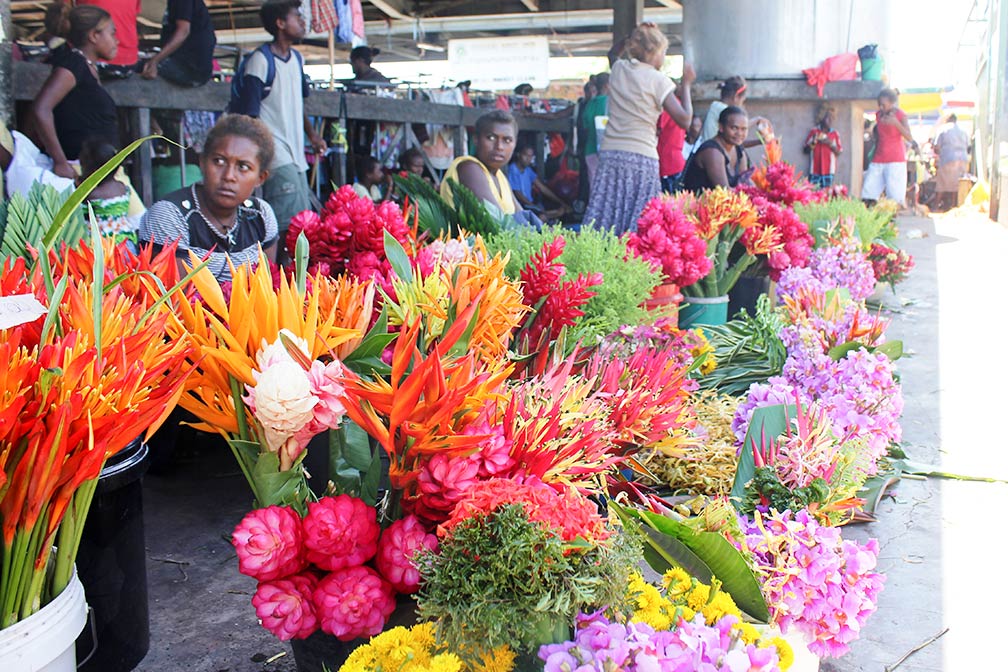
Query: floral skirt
[623,185]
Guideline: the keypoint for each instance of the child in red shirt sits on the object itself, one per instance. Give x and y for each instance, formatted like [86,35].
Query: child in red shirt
[823,144]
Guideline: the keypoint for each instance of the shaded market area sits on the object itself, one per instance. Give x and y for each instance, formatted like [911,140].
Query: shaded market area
[540,335]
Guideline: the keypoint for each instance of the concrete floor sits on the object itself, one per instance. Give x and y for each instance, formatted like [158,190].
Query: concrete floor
[941,549]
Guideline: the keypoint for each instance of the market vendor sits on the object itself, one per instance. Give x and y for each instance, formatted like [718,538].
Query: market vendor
[483,174]
[219,218]
[722,161]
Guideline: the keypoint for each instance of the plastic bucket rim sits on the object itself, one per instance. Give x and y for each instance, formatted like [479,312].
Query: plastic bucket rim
[61,622]
[706,300]
[130,468]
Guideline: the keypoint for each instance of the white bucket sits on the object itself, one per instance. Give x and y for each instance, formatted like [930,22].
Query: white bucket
[44,642]
[804,660]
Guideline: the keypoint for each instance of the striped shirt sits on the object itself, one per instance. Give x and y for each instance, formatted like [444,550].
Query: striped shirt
[177,217]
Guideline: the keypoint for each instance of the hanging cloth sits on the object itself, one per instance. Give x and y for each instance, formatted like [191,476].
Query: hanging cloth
[357,18]
[344,30]
[323,16]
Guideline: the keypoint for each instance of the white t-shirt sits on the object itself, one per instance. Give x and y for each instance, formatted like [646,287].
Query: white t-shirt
[636,94]
[29,165]
[710,124]
[283,109]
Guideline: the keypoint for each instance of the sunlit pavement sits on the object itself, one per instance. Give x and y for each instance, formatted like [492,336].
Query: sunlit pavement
[943,540]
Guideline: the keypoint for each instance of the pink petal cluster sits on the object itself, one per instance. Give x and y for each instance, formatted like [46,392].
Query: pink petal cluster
[399,544]
[353,602]
[285,607]
[783,186]
[340,532]
[814,580]
[791,233]
[324,380]
[442,481]
[268,543]
[349,234]
[669,240]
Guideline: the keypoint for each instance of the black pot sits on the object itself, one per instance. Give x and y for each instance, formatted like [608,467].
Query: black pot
[745,292]
[322,651]
[112,565]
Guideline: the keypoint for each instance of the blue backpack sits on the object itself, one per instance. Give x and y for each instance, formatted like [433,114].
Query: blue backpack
[238,81]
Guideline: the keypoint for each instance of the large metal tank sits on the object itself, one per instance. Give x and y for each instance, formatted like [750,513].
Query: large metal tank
[777,39]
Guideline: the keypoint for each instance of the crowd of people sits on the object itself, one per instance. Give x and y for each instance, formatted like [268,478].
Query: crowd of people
[637,135]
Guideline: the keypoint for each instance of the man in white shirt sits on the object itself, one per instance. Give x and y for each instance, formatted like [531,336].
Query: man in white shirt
[279,103]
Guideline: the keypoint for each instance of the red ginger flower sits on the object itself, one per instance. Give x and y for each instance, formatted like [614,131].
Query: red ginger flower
[543,273]
[399,544]
[443,480]
[561,301]
[285,607]
[268,543]
[563,510]
[340,531]
[353,602]
[781,235]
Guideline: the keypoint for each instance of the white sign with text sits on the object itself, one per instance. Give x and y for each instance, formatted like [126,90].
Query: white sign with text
[496,63]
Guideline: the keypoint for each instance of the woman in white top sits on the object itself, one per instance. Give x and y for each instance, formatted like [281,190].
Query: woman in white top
[627,176]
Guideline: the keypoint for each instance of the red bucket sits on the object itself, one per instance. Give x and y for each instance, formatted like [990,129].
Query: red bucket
[665,299]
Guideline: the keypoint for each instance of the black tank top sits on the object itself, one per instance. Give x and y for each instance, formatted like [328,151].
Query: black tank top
[696,179]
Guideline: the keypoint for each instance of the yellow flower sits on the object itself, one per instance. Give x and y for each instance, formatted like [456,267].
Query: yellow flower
[719,605]
[784,652]
[443,662]
[697,598]
[677,581]
[500,659]
[749,634]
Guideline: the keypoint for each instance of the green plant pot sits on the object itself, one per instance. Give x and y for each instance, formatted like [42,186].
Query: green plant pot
[703,311]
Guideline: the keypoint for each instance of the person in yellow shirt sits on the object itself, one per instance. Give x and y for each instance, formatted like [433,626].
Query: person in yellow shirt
[483,174]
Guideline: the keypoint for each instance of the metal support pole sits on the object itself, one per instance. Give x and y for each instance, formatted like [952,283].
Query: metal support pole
[143,173]
[6,73]
[627,15]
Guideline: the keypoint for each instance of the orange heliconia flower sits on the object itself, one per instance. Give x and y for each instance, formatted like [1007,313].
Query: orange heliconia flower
[720,207]
[226,335]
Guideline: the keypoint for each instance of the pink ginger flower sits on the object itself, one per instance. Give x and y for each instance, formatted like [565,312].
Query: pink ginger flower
[268,543]
[285,608]
[339,532]
[398,546]
[353,602]
[441,483]
[328,411]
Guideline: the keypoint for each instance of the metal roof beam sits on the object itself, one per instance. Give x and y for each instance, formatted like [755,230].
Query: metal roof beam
[532,5]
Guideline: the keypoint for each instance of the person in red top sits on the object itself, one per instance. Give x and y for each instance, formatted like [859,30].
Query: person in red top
[671,162]
[124,16]
[823,143]
[887,171]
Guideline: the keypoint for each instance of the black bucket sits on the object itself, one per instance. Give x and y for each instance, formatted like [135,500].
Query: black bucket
[112,565]
[744,294]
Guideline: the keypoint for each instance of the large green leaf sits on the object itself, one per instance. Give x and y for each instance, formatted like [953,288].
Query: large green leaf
[432,213]
[398,258]
[767,422]
[670,542]
[355,466]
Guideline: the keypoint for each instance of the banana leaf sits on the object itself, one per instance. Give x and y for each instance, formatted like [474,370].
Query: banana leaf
[24,221]
[433,214]
[768,423]
[673,543]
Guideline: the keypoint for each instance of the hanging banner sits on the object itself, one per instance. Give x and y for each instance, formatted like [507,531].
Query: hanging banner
[500,63]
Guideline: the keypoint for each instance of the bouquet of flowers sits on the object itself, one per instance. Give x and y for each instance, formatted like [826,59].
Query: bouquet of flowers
[722,218]
[790,233]
[814,580]
[83,378]
[516,562]
[889,264]
[685,625]
[349,235]
[669,240]
[332,569]
[777,182]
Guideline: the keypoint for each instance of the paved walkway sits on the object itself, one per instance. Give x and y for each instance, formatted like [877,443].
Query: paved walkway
[942,549]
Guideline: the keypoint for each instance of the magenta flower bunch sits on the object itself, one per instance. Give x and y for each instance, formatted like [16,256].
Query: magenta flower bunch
[315,572]
[668,239]
[814,580]
[602,645]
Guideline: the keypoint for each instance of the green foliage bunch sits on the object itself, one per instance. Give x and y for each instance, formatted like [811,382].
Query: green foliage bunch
[497,579]
[748,349]
[25,221]
[871,223]
[627,280]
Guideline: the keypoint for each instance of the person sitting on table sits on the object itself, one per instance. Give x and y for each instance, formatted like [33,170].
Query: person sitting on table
[721,162]
[483,174]
[72,105]
[524,179]
[187,45]
[219,218]
[370,178]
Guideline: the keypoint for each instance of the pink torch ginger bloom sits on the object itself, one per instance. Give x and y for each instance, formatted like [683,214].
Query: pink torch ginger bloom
[340,532]
[268,543]
[442,482]
[396,549]
[353,603]
[285,608]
